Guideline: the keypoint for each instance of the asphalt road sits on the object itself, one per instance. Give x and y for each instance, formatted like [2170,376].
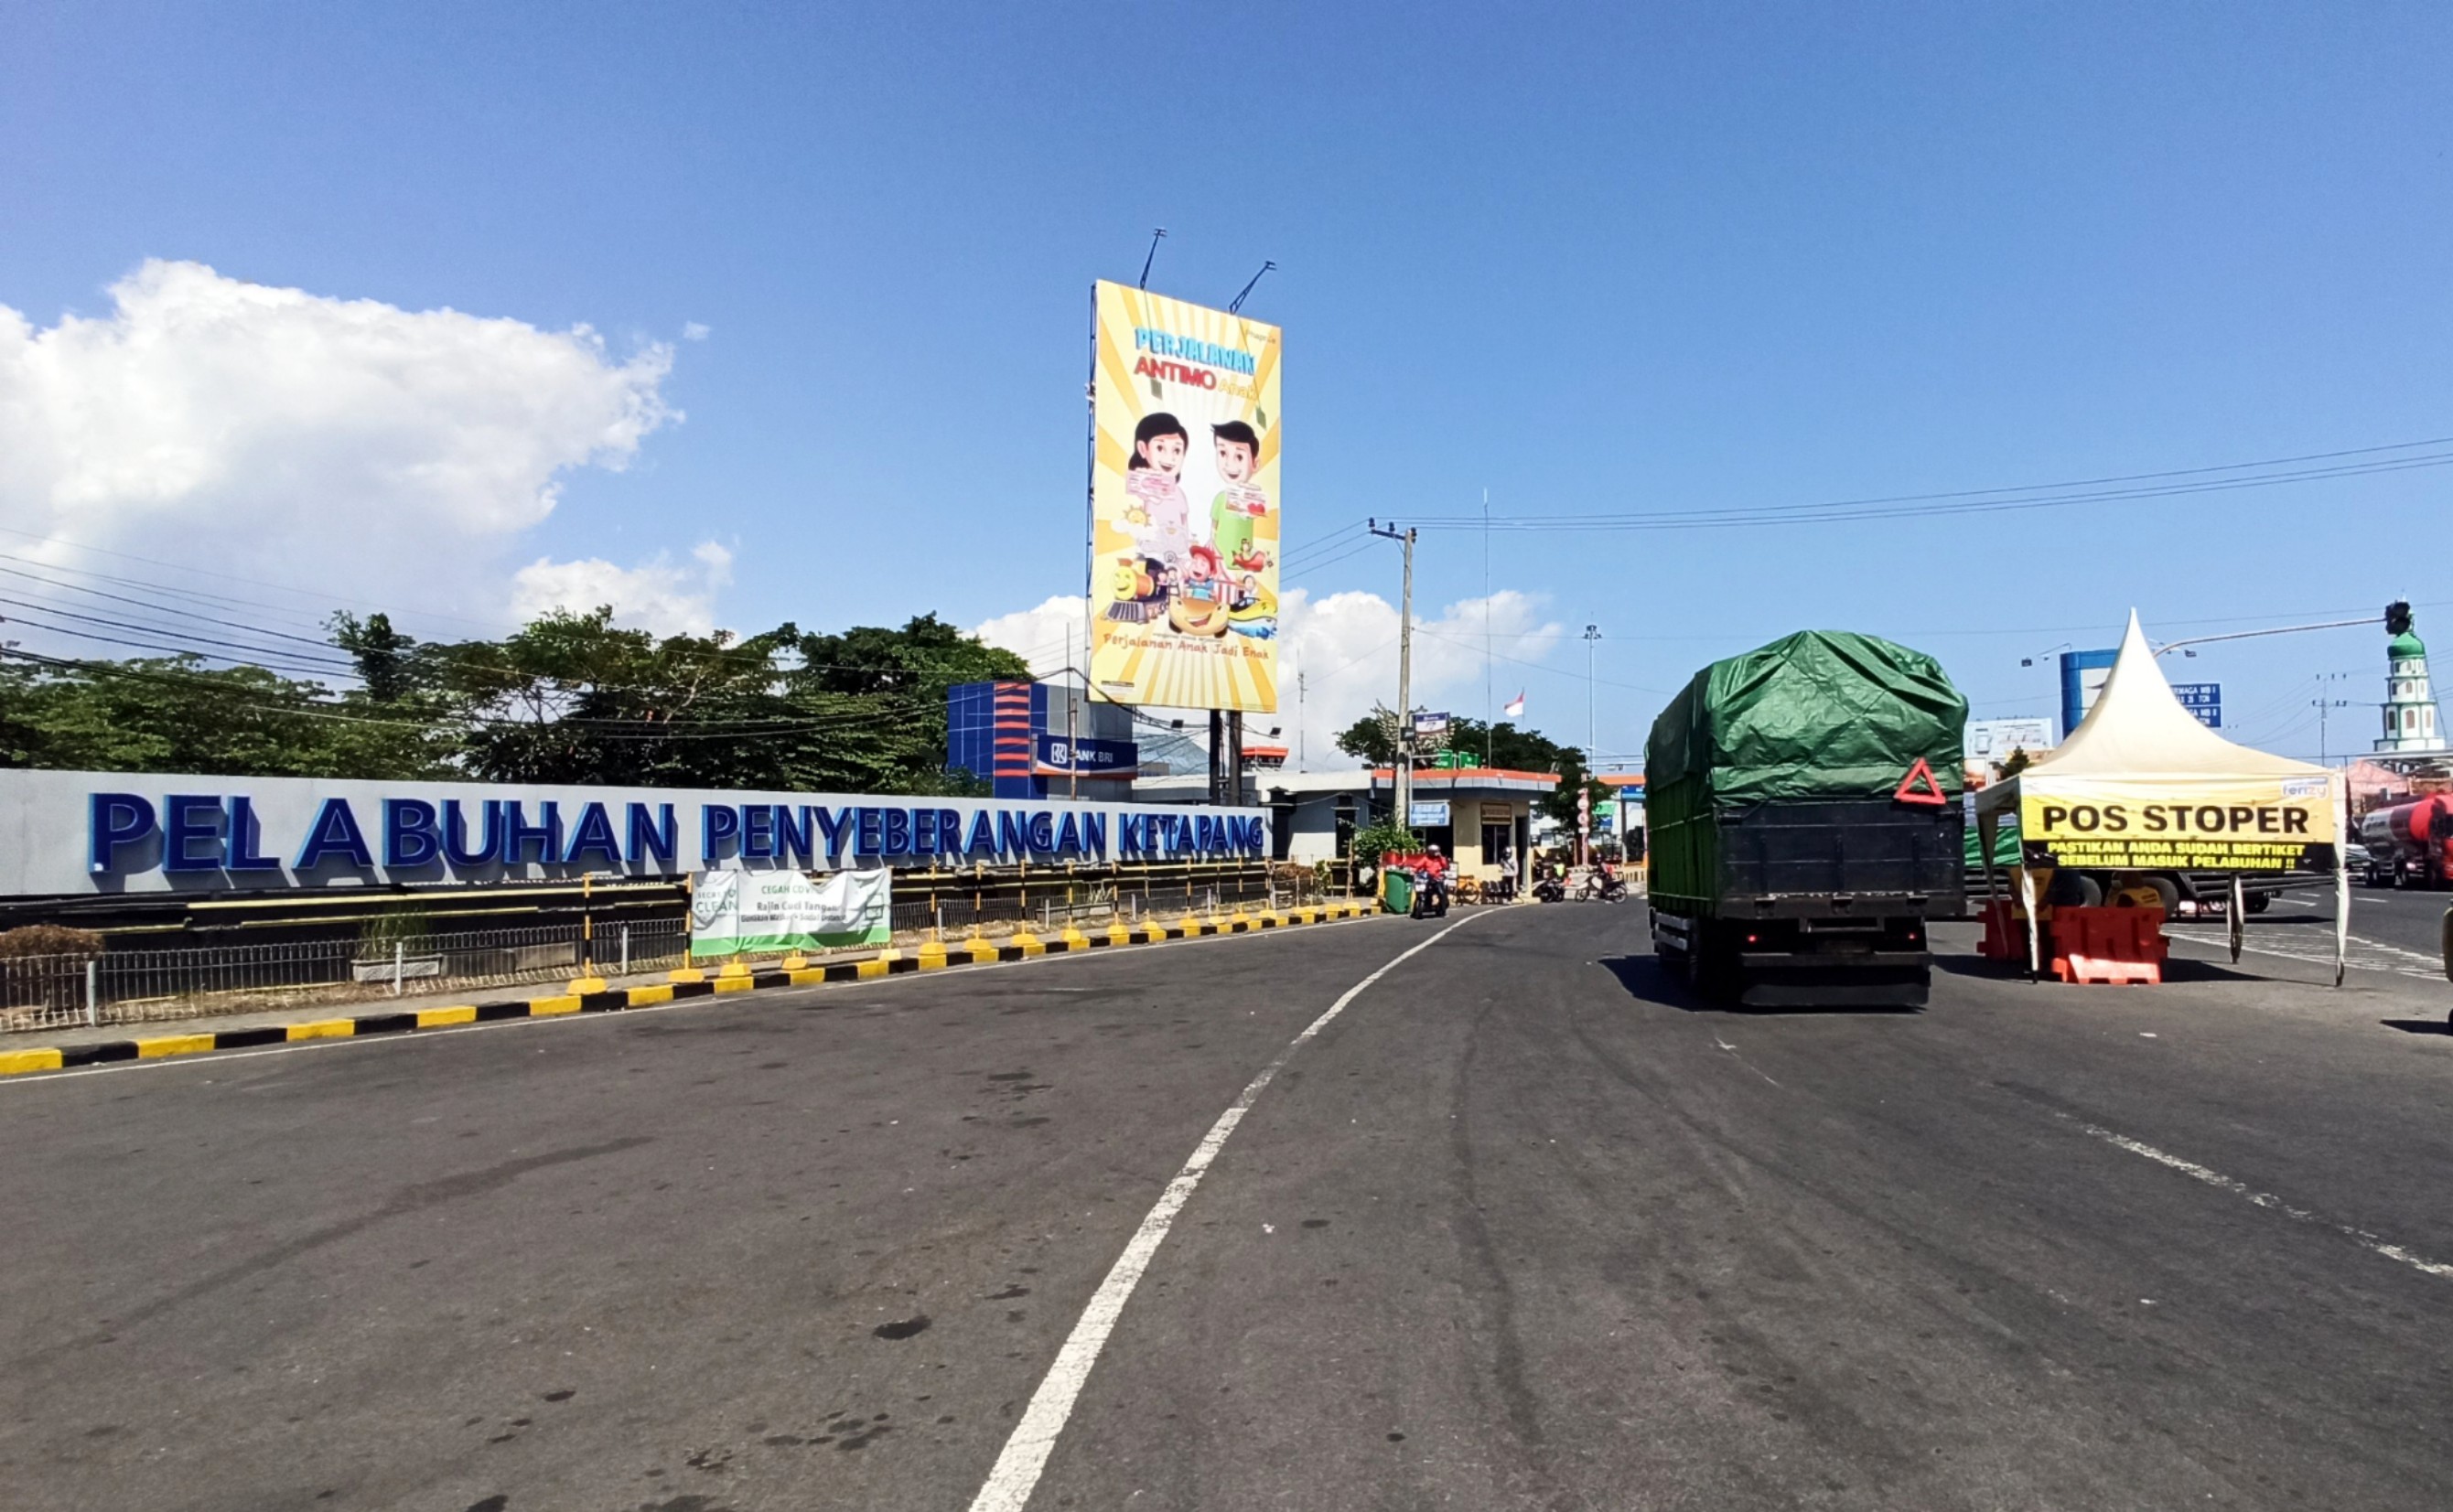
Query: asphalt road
[2393,931]
[1523,1227]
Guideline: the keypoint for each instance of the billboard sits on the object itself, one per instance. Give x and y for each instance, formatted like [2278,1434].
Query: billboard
[1184,504]
[1993,739]
[2204,699]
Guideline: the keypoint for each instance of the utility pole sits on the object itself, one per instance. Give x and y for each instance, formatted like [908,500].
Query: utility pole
[1302,746]
[1402,769]
[1592,635]
[2324,706]
[1073,736]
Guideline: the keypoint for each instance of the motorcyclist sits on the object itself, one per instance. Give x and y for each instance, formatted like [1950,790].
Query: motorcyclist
[1432,895]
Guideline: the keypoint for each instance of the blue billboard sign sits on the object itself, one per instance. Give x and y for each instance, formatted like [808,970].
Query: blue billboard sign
[2204,699]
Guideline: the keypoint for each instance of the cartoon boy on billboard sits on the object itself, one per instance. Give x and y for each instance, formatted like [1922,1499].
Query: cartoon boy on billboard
[1239,506]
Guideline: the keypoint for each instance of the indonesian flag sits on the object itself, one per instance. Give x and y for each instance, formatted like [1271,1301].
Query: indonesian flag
[1514,707]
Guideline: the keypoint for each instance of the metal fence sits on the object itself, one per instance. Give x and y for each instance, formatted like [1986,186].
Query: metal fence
[140,985]
[127,986]
[958,901]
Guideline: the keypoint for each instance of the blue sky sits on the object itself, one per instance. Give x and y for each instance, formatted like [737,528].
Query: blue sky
[1600,258]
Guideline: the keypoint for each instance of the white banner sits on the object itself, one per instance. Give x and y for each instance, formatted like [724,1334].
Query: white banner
[739,912]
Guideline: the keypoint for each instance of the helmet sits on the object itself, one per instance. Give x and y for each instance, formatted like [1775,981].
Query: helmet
[1435,850]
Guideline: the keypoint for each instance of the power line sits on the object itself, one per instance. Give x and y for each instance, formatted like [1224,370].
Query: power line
[1985,501]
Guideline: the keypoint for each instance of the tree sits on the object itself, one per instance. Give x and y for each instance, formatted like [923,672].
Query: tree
[566,698]
[1372,738]
[380,653]
[176,715]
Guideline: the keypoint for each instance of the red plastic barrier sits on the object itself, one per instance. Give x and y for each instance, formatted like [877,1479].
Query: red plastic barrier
[2005,933]
[2109,944]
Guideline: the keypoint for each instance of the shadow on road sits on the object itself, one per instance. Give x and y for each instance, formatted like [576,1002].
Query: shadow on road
[1647,980]
[2419,1025]
[2176,968]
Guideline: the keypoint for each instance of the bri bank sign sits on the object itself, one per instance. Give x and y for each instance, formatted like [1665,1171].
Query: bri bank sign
[89,832]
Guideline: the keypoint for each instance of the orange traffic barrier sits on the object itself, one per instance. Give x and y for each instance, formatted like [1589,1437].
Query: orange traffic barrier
[2005,933]
[2109,944]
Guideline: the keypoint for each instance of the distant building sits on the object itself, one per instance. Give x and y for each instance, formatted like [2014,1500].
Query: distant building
[1014,736]
[2410,723]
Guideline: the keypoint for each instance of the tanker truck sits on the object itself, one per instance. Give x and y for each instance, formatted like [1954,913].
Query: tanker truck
[1803,804]
[2409,845]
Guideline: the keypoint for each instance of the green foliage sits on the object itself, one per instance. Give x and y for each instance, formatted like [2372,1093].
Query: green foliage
[1371,739]
[1504,745]
[1378,839]
[567,698]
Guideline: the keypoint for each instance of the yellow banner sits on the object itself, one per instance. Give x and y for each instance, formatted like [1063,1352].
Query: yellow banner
[2271,824]
[1183,506]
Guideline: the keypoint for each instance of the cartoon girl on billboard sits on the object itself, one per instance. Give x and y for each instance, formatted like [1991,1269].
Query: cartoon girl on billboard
[1154,477]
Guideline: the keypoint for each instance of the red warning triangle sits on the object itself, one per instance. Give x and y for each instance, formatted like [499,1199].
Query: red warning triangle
[1929,793]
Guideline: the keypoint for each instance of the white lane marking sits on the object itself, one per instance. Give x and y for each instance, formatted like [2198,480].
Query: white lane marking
[2265,1200]
[1017,1469]
[1742,1059]
[190,1063]
[2325,957]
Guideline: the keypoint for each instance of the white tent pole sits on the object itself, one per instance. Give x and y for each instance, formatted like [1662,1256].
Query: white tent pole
[2035,930]
[2341,873]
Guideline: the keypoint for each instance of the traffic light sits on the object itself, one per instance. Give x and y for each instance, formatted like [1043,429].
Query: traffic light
[2396,617]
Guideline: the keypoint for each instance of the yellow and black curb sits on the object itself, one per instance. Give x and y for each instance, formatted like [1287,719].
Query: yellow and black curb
[930,957]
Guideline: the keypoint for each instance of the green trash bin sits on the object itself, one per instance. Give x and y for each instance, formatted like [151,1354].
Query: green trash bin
[1396,892]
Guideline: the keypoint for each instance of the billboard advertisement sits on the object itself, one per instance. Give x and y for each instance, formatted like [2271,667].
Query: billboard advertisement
[1993,739]
[2194,823]
[1184,504]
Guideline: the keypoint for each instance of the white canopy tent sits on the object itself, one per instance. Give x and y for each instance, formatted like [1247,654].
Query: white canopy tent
[2140,785]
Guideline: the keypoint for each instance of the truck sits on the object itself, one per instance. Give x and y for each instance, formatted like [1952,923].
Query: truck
[1805,803]
[2408,845]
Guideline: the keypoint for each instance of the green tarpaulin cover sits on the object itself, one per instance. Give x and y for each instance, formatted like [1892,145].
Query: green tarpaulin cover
[1818,714]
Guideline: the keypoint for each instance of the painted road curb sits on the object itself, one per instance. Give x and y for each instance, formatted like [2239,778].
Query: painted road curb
[931,957]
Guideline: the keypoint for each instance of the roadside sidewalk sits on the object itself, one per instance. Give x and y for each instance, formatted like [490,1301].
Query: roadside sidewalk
[70,1048]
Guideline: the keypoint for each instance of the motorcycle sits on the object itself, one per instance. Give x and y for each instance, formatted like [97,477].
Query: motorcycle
[1549,889]
[1431,898]
[1604,886]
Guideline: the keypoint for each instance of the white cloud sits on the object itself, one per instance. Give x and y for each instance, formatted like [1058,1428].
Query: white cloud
[694,330]
[1345,647]
[1039,635]
[662,596]
[348,445]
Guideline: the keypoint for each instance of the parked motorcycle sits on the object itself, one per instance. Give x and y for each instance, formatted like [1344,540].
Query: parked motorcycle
[1549,889]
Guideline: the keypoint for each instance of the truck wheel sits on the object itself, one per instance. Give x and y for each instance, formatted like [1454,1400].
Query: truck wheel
[2257,902]
[2076,889]
[2169,892]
